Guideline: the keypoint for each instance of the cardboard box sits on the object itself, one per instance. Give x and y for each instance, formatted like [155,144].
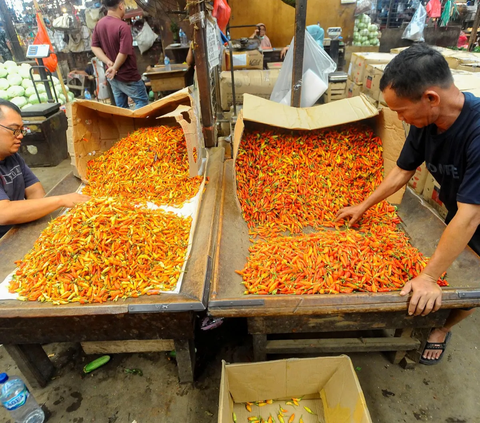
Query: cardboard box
[274,65]
[466,81]
[371,80]
[359,63]
[431,193]
[352,89]
[397,50]
[417,181]
[255,82]
[98,126]
[349,50]
[470,67]
[386,124]
[250,59]
[458,58]
[327,385]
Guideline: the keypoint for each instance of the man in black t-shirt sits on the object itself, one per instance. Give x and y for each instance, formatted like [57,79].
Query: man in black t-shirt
[445,134]
[22,197]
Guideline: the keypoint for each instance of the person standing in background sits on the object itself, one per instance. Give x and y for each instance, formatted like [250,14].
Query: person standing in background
[261,34]
[112,43]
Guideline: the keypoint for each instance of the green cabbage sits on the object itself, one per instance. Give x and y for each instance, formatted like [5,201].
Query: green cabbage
[16,92]
[4,84]
[33,99]
[364,33]
[24,72]
[14,79]
[30,91]
[4,95]
[27,83]
[43,98]
[62,98]
[9,63]
[3,73]
[41,88]
[19,101]
[71,96]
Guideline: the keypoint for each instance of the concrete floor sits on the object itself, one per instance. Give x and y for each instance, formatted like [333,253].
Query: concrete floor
[448,392]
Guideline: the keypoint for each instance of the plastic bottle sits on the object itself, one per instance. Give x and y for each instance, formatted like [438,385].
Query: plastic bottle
[88,96]
[167,63]
[19,401]
[183,37]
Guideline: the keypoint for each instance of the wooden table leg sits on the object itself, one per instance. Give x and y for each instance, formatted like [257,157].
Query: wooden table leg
[401,333]
[33,362]
[422,335]
[185,350]
[259,347]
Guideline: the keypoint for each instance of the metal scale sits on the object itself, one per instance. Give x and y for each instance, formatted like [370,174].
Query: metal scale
[46,141]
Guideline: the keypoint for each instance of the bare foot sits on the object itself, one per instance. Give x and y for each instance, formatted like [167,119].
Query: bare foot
[436,336]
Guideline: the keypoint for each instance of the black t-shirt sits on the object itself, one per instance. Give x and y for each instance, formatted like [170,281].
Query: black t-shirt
[15,177]
[452,157]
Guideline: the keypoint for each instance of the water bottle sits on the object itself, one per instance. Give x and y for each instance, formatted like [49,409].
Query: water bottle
[183,38]
[19,401]
[88,96]
[167,63]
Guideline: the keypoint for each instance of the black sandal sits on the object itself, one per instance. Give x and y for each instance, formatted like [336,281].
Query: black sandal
[435,346]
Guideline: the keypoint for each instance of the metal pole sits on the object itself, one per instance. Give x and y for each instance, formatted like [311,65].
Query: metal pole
[18,52]
[299,47]
[202,68]
[473,35]
[232,72]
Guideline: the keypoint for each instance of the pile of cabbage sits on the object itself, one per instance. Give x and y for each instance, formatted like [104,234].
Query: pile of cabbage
[364,32]
[16,85]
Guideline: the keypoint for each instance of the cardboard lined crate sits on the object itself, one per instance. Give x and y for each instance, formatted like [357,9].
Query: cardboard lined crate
[97,126]
[352,89]
[327,385]
[431,193]
[417,181]
[360,61]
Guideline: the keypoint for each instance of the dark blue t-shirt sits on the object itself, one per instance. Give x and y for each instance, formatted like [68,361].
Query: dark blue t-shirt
[452,157]
[15,177]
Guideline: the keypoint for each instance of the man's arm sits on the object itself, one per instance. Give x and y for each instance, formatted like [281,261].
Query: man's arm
[427,295]
[99,53]
[395,180]
[34,191]
[15,212]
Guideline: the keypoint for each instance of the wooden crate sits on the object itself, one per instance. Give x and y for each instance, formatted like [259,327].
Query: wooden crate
[335,91]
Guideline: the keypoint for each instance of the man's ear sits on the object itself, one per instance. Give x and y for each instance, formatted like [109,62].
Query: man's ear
[431,97]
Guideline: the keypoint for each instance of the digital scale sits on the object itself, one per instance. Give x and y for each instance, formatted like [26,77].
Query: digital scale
[46,141]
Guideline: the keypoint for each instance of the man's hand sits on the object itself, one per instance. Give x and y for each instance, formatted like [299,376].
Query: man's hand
[283,53]
[354,212]
[110,64]
[427,295]
[71,200]
[110,73]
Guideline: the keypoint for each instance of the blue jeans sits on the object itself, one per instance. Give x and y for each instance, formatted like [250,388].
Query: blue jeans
[135,90]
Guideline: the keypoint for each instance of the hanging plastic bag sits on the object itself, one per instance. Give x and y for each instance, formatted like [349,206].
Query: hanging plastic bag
[222,12]
[363,6]
[434,9]
[317,65]
[414,30]
[42,38]
[145,38]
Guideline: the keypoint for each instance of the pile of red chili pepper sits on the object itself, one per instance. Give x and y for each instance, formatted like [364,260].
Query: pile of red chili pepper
[298,180]
[105,249]
[149,165]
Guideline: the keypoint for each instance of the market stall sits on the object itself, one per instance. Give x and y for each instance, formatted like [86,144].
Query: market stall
[284,315]
[165,319]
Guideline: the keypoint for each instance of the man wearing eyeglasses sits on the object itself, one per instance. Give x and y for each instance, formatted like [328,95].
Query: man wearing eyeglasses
[22,197]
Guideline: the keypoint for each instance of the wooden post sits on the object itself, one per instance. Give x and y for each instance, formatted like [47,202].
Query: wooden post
[18,52]
[473,35]
[195,8]
[299,48]
[58,70]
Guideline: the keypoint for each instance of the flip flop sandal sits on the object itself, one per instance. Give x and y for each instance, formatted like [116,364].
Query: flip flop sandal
[435,346]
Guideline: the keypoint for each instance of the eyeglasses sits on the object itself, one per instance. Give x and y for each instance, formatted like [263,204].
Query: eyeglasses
[16,132]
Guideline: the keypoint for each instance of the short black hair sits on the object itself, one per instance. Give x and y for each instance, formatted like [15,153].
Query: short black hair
[415,69]
[8,105]
[112,4]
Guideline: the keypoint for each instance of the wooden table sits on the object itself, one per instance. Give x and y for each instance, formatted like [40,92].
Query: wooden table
[178,51]
[172,80]
[24,326]
[317,314]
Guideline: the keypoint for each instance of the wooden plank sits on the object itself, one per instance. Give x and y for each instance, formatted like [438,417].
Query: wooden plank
[128,346]
[398,356]
[259,347]
[344,322]
[341,345]
[185,356]
[33,362]
[97,328]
